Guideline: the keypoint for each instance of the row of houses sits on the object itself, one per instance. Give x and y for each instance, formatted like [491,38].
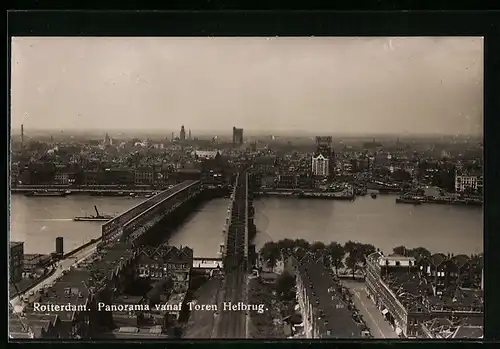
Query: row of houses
[110,278]
[109,176]
[410,292]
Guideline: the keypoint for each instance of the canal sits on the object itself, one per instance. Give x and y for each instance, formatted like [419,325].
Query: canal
[381,222]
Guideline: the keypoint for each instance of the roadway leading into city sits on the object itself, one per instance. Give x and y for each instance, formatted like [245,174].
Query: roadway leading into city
[379,327]
[232,322]
[61,266]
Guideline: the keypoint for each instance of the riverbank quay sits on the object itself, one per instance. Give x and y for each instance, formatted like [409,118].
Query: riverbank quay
[445,200]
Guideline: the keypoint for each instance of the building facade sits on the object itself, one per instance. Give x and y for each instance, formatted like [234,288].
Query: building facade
[320,165]
[468,183]
[165,261]
[16,258]
[384,298]
[144,176]
[323,159]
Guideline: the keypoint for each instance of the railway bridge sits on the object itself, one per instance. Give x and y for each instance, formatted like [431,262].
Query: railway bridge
[239,231]
[133,223]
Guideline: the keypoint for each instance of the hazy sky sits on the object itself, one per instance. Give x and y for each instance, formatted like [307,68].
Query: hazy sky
[332,85]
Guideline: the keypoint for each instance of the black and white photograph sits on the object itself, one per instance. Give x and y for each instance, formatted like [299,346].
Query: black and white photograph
[246,188]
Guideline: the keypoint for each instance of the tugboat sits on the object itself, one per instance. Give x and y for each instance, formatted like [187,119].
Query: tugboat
[373,195]
[47,193]
[97,218]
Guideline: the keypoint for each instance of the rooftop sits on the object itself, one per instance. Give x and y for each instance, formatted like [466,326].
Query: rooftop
[127,299]
[74,286]
[15,243]
[335,320]
[166,253]
[445,328]
[439,328]
[138,333]
[469,332]
[38,324]
[410,289]
[176,299]
[111,260]
[417,293]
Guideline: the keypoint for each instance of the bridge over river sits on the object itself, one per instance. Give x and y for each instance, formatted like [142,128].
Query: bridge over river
[126,227]
[107,260]
[239,231]
[138,219]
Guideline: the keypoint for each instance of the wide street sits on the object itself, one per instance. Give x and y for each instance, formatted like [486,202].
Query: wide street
[61,266]
[374,319]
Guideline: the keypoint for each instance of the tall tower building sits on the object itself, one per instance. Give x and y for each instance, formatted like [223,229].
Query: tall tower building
[323,159]
[182,134]
[107,139]
[237,136]
[22,136]
[189,134]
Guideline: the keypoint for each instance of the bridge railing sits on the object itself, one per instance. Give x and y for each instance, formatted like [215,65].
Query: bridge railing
[229,215]
[246,214]
[126,216]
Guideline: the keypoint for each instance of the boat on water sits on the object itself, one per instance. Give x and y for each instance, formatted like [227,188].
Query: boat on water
[108,193]
[408,200]
[47,193]
[373,195]
[325,195]
[91,218]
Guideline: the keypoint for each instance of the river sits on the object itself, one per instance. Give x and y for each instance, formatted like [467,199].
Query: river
[381,222]
[39,220]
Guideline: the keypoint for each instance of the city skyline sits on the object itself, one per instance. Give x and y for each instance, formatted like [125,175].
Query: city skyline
[287,85]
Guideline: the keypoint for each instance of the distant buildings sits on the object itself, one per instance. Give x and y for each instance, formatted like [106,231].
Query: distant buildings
[237,136]
[16,258]
[182,134]
[206,154]
[107,140]
[323,159]
[468,182]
